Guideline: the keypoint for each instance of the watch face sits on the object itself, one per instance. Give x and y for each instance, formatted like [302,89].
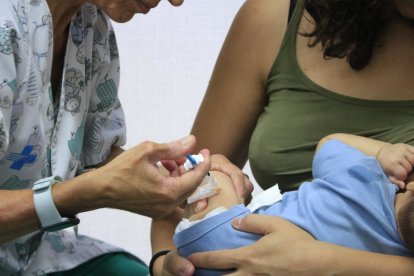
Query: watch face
[65,223]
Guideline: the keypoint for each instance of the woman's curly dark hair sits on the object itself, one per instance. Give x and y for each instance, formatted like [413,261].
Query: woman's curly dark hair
[348,28]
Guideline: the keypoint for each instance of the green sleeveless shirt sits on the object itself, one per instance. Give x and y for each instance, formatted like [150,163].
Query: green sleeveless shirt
[299,113]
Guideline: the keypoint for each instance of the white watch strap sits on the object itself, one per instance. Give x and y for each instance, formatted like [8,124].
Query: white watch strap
[43,201]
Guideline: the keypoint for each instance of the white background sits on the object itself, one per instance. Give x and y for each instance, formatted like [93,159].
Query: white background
[167,57]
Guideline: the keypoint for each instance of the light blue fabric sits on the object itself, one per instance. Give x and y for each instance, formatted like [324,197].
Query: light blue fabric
[350,203]
[42,134]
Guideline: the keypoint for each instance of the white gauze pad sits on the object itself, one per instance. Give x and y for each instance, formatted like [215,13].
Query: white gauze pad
[208,187]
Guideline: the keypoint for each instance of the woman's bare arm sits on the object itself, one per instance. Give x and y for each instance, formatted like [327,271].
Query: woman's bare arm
[236,94]
[369,146]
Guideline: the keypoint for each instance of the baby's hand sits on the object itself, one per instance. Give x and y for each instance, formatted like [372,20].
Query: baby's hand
[397,161]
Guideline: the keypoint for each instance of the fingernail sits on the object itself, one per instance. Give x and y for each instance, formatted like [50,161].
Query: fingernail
[186,140]
[186,270]
[236,223]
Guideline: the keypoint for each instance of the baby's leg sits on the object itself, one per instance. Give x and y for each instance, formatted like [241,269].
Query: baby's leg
[225,197]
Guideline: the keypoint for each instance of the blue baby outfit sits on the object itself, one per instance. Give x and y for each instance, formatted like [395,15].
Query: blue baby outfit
[350,202]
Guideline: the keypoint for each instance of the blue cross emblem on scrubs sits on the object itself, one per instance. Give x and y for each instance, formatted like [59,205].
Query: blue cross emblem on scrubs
[25,157]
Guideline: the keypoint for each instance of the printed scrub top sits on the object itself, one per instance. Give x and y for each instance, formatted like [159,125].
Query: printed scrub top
[40,136]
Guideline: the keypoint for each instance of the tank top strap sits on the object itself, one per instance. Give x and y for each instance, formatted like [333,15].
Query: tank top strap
[287,52]
[292,6]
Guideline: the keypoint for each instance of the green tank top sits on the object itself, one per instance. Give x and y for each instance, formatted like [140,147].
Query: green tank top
[299,113]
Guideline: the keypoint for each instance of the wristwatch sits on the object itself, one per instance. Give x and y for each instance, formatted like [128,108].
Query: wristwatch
[47,213]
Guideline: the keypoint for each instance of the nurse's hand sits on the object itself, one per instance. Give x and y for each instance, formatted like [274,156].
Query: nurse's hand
[132,181]
[241,182]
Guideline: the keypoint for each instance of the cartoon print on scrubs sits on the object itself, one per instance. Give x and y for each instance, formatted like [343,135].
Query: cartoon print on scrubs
[14,183]
[5,101]
[97,37]
[26,248]
[22,250]
[3,257]
[40,135]
[14,37]
[112,46]
[39,272]
[74,86]
[28,154]
[107,93]
[9,40]
[95,141]
[3,139]
[8,89]
[82,59]
[57,243]
[98,34]
[75,146]
[30,88]
[23,28]
[78,30]
[5,41]
[41,50]
[96,61]
[80,54]
[88,70]
[20,11]
[35,2]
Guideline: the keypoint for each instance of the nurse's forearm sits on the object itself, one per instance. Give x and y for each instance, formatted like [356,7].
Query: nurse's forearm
[18,215]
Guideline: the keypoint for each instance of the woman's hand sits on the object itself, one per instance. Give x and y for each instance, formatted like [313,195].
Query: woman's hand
[174,264]
[284,249]
[242,184]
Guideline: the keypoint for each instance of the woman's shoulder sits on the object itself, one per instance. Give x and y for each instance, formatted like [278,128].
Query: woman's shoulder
[265,16]
[261,26]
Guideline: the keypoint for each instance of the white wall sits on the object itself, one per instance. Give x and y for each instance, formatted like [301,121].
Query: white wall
[167,58]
